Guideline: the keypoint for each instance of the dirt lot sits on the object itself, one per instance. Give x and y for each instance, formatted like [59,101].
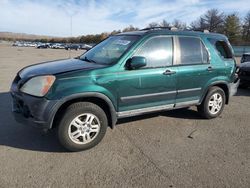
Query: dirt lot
[168,149]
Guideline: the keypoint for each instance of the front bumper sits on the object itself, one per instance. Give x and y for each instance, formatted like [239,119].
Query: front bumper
[35,111]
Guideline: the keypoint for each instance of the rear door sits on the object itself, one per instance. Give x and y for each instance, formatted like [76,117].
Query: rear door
[194,70]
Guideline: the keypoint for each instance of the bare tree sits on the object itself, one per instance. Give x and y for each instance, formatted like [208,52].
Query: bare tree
[246,28]
[199,24]
[130,28]
[179,25]
[212,20]
[164,23]
[153,24]
[114,32]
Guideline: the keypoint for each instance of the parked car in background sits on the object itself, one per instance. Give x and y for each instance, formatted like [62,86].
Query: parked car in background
[57,46]
[85,47]
[30,44]
[24,44]
[244,71]
[245,58]
[125,75]
[43,46]
[72,47]
[18,44]
[244,74]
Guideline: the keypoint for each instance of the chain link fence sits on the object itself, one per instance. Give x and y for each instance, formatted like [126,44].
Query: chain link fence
[239,50]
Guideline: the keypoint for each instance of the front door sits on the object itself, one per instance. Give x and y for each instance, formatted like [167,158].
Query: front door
[151,87]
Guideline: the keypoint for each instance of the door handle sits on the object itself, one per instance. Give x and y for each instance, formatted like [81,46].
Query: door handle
[169,72]
[210,68]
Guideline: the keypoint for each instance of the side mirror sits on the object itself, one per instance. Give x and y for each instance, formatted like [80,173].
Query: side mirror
[137,62]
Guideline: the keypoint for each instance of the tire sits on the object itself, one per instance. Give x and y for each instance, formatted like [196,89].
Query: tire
[213,104]
[82,126]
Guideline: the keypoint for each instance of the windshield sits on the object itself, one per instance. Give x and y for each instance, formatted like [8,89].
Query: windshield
[110,50]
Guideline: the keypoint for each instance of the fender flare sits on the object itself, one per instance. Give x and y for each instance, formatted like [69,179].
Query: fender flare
[82,95]
[211,85]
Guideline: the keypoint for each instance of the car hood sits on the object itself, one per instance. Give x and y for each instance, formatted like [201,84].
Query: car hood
[57,67]
[245,66]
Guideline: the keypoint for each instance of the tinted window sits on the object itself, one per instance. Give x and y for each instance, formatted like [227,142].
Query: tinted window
[222,48]
[157,51]
[192,51]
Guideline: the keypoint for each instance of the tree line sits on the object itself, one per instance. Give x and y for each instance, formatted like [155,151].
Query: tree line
[235,28]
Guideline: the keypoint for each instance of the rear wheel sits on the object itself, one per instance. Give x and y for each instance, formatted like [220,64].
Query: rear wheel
[82,127]
[213,104]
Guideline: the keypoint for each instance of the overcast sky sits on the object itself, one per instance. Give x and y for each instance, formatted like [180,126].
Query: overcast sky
[52,17]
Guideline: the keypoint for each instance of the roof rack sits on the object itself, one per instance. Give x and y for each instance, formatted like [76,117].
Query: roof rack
[158,28]
[198,30]
[173,29]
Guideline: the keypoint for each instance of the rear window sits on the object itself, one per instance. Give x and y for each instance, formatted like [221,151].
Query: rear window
[222,48]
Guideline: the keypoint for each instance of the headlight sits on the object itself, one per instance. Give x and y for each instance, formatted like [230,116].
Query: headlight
[38,86]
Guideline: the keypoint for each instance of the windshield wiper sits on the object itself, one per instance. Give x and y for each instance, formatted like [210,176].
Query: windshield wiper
[88,60]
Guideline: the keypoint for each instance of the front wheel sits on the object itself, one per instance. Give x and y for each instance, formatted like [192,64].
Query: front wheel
[82,127]
[213,104]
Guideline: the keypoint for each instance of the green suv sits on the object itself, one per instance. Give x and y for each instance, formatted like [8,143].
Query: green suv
[127,74]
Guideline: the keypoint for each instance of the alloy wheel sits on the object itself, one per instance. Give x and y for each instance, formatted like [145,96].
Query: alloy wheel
[84,128]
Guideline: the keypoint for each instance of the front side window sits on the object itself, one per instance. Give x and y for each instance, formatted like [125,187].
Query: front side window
[158,52]
[110,50]
[192,51]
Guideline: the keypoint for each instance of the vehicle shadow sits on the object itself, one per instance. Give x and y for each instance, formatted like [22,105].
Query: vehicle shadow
[13,134]
[243,92]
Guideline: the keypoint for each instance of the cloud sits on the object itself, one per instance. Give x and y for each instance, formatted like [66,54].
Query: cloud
[95,16]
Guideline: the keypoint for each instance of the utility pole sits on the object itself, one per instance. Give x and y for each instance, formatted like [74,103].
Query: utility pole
[70,35]
[70,11]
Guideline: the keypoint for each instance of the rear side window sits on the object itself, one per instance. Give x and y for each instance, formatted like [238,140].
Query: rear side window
[222,48]
[158,51]
[192,51]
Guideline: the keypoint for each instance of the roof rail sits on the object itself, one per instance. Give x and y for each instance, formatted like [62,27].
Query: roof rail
[155,28]
[174,29]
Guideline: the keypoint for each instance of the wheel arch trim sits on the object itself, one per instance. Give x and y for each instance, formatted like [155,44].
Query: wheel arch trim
[216,83]
[101,96]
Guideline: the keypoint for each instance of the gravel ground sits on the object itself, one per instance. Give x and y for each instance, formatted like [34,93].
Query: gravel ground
[167,149]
